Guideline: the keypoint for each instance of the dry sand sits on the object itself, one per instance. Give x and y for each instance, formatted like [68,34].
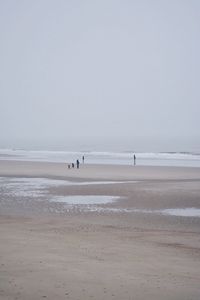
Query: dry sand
[47,251]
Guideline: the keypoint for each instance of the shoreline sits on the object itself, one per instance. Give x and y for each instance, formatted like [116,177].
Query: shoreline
[96,171]
[186,159]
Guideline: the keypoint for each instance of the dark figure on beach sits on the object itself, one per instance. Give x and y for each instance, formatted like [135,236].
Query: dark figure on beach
[72,165]
[69,166]
[134,157]
[77,164]
[83,159]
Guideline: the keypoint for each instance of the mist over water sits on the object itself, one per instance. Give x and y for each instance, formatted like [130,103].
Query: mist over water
[84,144]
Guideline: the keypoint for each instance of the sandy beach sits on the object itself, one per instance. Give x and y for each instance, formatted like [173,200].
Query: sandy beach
[129,248]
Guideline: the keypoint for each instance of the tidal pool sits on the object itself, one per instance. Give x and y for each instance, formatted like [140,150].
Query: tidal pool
[182,212]
[37,187]
[86,200]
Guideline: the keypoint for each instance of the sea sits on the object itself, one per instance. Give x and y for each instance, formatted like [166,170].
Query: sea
[179,159]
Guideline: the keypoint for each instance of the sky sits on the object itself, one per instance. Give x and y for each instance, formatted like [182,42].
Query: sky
[108,73]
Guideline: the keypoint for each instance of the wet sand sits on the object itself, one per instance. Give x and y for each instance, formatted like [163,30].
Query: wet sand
[55,251]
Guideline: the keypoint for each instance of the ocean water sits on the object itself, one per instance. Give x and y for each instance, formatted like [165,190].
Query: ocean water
[188,159]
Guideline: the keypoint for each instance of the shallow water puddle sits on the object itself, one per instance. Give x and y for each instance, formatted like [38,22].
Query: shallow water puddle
[36,187]
[86,200]
[182,212]
[179,212]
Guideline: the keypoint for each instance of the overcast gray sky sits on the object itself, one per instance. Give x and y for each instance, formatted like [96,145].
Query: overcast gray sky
[123,70]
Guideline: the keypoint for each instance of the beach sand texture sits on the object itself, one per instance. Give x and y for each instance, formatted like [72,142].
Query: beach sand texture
[51,250]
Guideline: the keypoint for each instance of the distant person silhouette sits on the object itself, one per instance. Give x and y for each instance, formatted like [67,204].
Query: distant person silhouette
[83,159]
[134,157]
[77,164]
[72,165]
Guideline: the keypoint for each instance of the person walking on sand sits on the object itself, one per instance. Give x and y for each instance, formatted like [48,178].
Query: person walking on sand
[83,159]
[77,164]
[134,157]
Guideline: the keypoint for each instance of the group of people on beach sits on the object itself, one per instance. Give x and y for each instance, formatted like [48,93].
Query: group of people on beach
[77,164]
[72,165]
